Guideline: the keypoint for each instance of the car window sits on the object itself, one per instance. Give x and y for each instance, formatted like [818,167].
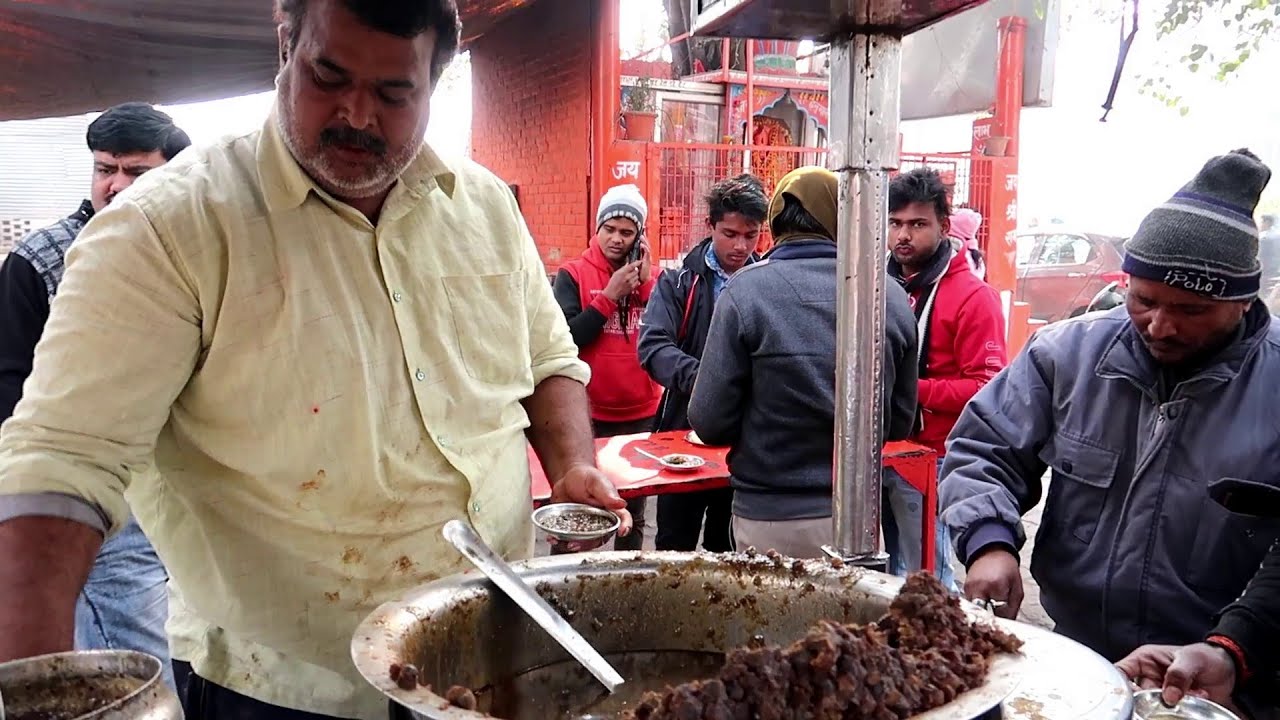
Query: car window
[1026,247]
[1061,249]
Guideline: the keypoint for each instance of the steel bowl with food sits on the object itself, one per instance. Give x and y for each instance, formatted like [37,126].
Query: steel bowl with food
[87,685]
[576,527]
[680,462]
[1149,705]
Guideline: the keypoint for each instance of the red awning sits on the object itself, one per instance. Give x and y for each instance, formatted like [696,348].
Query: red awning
[64,57]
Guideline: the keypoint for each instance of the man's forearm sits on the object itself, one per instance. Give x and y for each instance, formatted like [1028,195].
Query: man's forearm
[44,563]
[560,426]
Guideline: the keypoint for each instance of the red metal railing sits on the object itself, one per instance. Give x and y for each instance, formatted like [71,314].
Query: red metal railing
[967,177]
[687,171]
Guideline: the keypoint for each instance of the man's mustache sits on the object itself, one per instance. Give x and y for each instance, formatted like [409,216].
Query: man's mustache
[352,138]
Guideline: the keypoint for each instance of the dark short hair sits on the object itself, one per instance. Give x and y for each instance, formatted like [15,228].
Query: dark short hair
[743,194]
[406,19]
[922,185]
[136,127]
[795,219]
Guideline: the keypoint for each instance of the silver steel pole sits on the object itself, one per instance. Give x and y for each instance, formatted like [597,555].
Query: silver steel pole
[865,71]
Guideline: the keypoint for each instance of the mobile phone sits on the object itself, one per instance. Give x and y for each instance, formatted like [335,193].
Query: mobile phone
[637,250]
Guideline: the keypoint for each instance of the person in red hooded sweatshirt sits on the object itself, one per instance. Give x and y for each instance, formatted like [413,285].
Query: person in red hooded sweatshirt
[603,294]
[961,331]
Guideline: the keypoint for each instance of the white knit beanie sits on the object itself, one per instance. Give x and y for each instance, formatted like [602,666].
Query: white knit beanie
[623,201]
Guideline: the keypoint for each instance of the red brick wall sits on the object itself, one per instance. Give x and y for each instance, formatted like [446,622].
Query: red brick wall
[531,109]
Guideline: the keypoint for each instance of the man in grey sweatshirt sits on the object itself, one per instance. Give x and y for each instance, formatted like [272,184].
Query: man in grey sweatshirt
[766,385]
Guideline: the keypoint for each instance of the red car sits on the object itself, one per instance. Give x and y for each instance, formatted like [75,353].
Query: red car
[1061,269]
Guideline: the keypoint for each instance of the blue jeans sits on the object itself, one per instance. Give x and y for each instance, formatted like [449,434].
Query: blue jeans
[901,507]
[125,604]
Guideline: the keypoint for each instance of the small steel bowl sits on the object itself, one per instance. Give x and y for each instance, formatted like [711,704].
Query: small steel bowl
[686,463]
[575,541]
[1148,705]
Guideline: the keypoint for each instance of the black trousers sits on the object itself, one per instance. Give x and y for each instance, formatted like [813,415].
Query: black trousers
[681,516]
[635,506]
[203,700]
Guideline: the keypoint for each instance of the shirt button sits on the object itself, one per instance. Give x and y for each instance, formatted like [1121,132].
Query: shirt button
[443,440]
[420,376]
[396,296]
[475,507]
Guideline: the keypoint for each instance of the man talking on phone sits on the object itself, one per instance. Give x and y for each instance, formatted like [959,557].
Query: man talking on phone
[603,294]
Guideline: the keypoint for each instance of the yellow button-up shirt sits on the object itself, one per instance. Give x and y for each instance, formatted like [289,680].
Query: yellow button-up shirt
[320,395]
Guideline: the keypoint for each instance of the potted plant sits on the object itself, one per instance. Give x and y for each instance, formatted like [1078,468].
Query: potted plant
[639,111]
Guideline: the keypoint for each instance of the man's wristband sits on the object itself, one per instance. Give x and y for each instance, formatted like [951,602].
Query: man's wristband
[1236,654]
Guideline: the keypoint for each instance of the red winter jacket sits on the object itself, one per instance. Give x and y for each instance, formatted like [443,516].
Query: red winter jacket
[966,349]
[620,390]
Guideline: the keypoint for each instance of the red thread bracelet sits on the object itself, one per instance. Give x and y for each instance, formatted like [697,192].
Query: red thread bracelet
[1226,643]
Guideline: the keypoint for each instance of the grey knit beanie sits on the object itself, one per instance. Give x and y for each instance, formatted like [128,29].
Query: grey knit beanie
[1204,238]
[623,201]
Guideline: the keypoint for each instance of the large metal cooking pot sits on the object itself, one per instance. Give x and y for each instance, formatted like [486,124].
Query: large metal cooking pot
[97,685]
[665,618]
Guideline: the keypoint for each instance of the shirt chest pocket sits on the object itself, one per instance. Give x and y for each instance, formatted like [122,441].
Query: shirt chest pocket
[1229,546]
[1082,477]
[491,326]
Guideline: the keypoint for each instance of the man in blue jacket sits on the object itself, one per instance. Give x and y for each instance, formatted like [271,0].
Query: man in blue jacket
[1146,414]
[673,334]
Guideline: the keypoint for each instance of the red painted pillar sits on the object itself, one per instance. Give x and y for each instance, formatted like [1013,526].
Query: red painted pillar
[1009,80]
[751,102]
[606,101]
[1002,174]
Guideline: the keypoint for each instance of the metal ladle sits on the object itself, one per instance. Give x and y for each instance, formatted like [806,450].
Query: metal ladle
[464,537]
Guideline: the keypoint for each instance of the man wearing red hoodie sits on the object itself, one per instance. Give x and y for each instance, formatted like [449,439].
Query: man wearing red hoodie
[961,332]
[603,294]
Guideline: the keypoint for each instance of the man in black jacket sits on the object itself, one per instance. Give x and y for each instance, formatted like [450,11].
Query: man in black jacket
[672,335]
[124,604]
[767,382]
[1238,663]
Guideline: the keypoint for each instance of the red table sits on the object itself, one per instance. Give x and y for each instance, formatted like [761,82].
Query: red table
[638,476]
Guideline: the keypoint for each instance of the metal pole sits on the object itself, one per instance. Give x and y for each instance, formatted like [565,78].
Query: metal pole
[864,96]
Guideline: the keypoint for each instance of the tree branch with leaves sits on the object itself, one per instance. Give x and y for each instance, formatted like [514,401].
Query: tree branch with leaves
[1220,37]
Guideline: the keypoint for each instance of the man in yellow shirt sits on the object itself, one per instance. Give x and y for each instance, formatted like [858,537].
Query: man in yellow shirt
[301,351]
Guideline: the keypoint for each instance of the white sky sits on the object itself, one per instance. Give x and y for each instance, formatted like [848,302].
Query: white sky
[1105,176]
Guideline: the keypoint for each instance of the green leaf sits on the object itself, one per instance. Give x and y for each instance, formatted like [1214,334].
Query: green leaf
[1194,67]
[1184,110]
[1197,52]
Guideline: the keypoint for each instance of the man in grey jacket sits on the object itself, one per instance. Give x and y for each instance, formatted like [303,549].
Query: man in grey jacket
[1146,414]
[766,385]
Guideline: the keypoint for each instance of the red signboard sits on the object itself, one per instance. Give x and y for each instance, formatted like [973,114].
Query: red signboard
[981,131]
